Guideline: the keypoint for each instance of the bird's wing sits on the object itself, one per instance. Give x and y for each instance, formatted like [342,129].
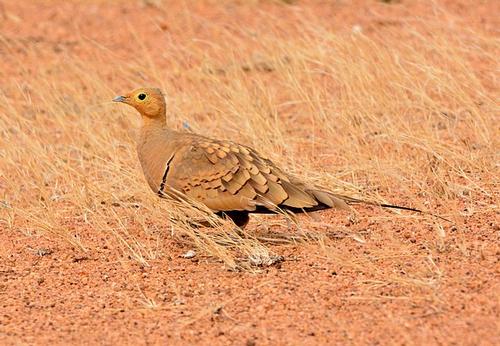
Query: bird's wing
[227,176]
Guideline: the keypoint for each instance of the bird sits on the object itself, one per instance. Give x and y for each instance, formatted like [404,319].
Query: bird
[231,179]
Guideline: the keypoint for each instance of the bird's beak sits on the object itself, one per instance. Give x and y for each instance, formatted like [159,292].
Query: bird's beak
[119,99]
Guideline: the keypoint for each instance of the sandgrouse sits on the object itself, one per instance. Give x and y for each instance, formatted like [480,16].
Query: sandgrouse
[231,179]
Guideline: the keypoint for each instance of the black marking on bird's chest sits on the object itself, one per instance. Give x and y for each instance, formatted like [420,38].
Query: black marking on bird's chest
[161,193]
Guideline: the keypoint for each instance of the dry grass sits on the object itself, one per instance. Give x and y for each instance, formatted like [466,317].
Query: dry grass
[398,120]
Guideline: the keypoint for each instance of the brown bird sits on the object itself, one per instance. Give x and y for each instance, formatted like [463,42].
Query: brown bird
[231,179]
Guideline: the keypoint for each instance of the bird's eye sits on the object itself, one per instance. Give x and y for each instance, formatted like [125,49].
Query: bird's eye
[141,96]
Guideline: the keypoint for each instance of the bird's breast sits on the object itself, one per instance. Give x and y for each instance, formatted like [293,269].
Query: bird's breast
[154,154]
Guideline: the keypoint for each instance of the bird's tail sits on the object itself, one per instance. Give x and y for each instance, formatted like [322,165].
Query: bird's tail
[332,200]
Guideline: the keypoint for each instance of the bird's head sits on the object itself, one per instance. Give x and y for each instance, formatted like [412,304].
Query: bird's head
[150,102]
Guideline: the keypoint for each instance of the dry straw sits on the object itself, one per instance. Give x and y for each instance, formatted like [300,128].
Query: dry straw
[410,122]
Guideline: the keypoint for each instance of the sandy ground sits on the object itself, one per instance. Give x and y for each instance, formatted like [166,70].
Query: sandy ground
[51,292]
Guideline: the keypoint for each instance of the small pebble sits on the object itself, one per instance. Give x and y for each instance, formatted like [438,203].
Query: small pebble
[189,254]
